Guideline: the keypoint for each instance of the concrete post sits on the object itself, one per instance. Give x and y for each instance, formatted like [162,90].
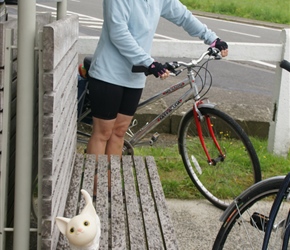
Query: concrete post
[61,9]
[24,126]
[279,133]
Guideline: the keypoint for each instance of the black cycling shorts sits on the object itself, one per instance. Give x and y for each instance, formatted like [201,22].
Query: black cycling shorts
[107,100]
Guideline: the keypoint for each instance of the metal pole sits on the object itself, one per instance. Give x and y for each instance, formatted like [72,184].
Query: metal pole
[61,9]
[5,155]
[40,138]
[24,126]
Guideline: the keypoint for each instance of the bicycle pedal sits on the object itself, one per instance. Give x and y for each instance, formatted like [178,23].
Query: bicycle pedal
[259,220]
[154,138]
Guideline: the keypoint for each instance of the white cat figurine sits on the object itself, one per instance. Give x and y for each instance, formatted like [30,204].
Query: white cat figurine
[84,230]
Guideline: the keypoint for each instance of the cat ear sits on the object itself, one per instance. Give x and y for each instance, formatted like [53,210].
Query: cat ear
[89,208]
[87,196]
[61,223]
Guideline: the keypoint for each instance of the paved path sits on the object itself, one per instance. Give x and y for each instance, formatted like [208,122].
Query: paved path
[196,223]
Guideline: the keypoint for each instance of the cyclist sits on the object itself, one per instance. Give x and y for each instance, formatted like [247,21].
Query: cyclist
[126,40]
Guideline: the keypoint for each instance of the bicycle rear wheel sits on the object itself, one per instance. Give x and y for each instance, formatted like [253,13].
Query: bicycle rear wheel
[221,182]
[246,219]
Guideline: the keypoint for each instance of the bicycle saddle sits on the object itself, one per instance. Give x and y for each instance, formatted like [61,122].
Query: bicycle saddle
[85,66]
[87,62]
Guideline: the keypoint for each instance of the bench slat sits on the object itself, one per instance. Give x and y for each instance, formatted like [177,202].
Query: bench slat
[88,179]
[134,215]
[162,210]
[153,234]
[72,197]
[102,199]
[117,208]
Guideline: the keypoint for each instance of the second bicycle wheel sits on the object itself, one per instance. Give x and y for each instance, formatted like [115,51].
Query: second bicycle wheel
[221,182]
[246,219]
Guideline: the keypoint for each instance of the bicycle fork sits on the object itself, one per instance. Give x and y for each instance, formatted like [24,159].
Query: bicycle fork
[198,117]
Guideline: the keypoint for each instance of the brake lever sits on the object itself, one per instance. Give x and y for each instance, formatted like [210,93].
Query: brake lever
[214,52]
[218,57]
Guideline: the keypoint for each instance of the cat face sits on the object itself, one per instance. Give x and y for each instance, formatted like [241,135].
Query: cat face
[81,230]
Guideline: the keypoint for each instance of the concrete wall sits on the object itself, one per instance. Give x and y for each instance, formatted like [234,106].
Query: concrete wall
[60,61]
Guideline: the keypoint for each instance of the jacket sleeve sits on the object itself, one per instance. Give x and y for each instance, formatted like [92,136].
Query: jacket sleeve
[176,12]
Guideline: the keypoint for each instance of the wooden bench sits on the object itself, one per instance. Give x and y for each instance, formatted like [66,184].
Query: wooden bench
[134,215]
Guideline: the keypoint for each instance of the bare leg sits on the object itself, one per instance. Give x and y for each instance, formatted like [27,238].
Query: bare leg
[102,130]
[116,141]
[108,138]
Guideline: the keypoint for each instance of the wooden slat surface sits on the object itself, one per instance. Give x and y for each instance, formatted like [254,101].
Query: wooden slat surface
[134,215]
[88,178]
[117,208]
[153,234]
[72,197]
[102,200]
[162,210]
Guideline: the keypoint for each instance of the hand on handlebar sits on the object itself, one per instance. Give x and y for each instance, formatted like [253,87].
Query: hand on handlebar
[221,45]
[158,70]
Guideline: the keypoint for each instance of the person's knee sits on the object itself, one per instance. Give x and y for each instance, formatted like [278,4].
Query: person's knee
[103,135]
[120,131]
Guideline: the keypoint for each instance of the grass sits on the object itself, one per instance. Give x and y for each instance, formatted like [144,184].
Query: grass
[274,11]
[176,182]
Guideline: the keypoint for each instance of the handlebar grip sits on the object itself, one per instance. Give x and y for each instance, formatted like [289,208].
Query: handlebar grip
[139,69]
[143,69]
[284,64]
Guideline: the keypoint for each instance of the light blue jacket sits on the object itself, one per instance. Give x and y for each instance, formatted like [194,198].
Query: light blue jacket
[127,35]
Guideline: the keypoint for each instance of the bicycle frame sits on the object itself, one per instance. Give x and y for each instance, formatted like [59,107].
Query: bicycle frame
[192,93]
[167,112]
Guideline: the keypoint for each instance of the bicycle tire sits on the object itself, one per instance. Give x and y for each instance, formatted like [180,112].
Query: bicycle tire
[221,183]
[287,234]
[245,220]
[281,196]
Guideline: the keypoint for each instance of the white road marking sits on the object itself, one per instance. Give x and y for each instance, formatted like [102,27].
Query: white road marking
[264,63]
[166,37]
[240,33]
[240,23]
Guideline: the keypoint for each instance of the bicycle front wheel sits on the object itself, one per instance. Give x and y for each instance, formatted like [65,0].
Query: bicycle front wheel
[246,219]
[282,195]
[224,180]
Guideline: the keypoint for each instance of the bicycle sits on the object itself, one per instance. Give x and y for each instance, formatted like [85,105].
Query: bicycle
[259,218]
[215,150]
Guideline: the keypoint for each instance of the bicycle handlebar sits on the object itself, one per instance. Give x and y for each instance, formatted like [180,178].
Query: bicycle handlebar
[284,64]
[174,65]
